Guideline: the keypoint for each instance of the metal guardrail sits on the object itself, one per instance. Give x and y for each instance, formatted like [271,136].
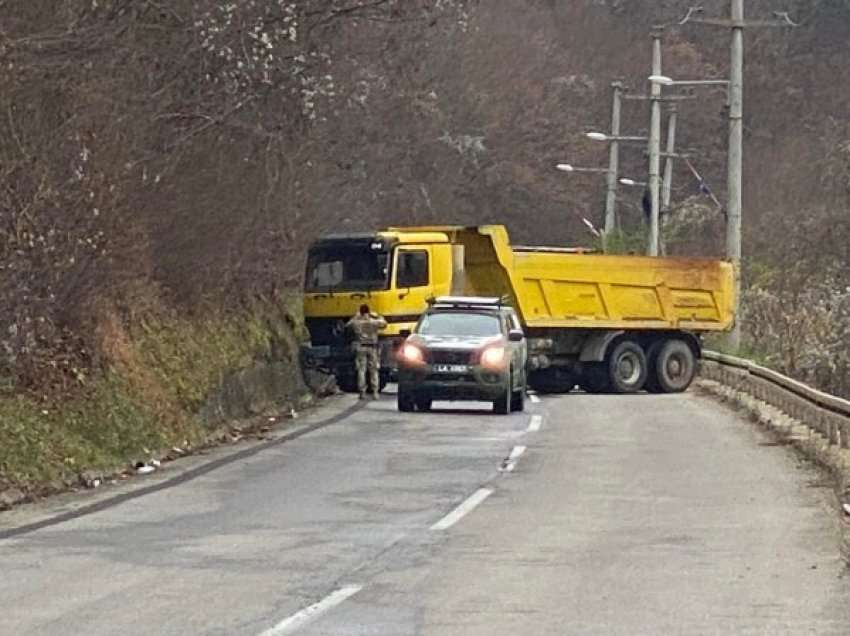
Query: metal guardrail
[827,414]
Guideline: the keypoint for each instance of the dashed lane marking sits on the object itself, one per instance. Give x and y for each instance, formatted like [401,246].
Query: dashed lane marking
[535,423]
[471,502]
[510,461]
[311,613]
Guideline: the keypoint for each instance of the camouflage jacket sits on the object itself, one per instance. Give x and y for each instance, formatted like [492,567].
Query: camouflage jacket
[366,327]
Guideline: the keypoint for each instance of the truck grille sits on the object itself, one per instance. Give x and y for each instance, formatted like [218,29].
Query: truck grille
[450,357]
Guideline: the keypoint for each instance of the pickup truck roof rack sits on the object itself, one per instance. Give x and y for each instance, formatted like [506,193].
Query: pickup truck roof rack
[469,302]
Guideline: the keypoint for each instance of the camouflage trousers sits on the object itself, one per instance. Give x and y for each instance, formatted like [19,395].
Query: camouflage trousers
[366,358]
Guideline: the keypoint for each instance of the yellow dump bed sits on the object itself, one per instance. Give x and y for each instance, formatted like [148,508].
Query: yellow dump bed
[565,289]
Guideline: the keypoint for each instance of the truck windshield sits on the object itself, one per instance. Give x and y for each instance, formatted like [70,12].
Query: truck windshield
[347,268]
[459,324]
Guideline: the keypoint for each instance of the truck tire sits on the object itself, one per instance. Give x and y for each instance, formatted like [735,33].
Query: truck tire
[627,368]
[346,381]
[406,403]
[675,366]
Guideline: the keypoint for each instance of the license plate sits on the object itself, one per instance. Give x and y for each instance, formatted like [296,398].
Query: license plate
[450,368]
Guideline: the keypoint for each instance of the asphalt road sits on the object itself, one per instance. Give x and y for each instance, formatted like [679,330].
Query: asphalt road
[583,515]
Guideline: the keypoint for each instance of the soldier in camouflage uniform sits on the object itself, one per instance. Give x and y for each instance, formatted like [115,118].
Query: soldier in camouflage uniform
[365,325]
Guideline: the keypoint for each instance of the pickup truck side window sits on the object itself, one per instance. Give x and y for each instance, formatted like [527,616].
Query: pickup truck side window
[412,269]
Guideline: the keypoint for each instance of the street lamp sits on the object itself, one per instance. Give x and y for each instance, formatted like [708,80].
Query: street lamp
[663,80]
[598,136]
[632,182]
[566,167]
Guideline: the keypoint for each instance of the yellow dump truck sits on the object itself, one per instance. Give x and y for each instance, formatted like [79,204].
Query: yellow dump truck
[606,323]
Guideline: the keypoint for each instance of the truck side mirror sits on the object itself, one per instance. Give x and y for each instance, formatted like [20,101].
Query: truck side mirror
[515,335]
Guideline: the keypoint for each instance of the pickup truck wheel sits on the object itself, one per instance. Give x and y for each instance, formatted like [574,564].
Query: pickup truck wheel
[423,403]
[676,366]
[627,368]
[406,403]
[502,405]
[518,399]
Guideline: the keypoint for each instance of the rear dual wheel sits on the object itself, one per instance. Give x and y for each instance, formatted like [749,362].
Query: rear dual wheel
[627,367]
[624,370]
[673,366]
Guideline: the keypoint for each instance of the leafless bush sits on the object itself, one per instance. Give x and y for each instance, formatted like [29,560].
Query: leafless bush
[804,334]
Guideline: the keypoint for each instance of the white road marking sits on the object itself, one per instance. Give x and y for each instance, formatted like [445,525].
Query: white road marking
[510,461]
[474,500]
[534,398]
[535,423]
[301,618]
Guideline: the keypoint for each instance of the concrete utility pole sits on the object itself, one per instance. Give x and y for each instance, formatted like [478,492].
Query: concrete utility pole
[669,155]
[736,161]
[613,160]
[655,146]
[667,183]
[736,138]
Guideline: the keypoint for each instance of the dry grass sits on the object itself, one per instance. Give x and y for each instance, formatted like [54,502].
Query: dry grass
[160,374]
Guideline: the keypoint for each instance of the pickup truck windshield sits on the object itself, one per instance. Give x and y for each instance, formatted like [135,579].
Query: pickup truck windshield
[459,324]
[347,268]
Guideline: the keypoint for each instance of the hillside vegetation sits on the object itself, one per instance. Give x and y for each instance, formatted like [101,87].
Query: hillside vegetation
[167,161]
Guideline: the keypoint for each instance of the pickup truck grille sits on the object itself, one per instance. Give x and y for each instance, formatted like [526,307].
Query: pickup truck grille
[450,357]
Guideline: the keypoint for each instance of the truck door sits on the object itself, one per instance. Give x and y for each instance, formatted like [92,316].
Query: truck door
[413,275]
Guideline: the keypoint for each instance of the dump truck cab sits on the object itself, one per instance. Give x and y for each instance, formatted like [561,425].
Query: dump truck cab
[394,272]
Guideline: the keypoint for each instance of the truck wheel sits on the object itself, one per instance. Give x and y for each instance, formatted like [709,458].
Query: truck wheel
[383,380]
[676,366]
[406,403]
[502,405]
[627,367]
[423,403]
[346,381]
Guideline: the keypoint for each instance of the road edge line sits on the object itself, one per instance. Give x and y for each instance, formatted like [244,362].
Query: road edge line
[188,475]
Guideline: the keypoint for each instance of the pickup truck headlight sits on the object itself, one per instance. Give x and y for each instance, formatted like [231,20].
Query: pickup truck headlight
[493,357]
[411,354]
